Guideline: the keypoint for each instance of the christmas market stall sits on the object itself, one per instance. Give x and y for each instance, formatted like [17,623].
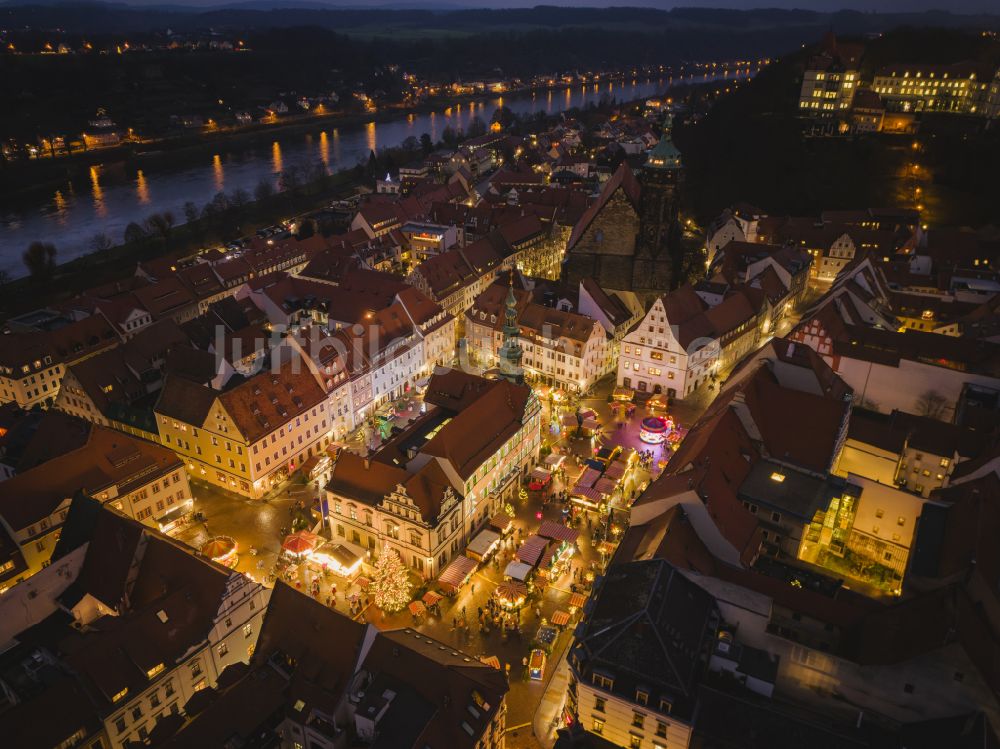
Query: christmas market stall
[518,571]
[561,549]
[502,523]
[457,573]
[531,550]
[337,558]
[483,545]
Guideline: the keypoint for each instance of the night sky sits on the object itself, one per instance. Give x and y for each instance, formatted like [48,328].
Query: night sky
[955,6]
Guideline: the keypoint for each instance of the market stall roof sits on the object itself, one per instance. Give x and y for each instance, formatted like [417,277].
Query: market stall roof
[558,531]
[605,485]
[542,474]
[577,600]
[591,424]
[340,554]
[517,570]
[417,608]
[614,471]
[560,618]
[553,461]
[588,477]
[546,560]
[431,597]
[531,550]
[490,660]
[457,571]
[501,521]
[483,543]
[588,493]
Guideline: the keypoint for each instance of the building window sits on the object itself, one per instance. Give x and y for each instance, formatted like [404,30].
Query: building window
[598,726]
[599,704]
[635,742]
[641,697]
[661,729]
[638,719]
[223,650]
[247,630]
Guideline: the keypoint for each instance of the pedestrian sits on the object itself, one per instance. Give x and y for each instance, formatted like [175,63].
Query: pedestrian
[473,589]
[328,601]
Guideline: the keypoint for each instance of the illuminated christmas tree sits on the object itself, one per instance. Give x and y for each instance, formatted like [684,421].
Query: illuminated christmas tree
[390,582]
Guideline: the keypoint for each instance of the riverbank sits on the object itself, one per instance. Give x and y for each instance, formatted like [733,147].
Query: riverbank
[25,182]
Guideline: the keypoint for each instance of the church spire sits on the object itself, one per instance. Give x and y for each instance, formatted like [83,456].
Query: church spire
[664,154]
[510,351]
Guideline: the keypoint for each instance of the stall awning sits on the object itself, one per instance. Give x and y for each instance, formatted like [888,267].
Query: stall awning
[588,477]
[588,493]
[558,531]
[417,608]
[560,618]
[542,474]
[457,571]
[577,600]
[591,425]
[431,597]
[337,556]
[176,513]
[614,471]
[517,570]
[502,522]
[553,461]
[482,544]
[531,550]
[605,485]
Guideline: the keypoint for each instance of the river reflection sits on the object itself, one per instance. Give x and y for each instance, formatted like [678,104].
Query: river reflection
[110,199]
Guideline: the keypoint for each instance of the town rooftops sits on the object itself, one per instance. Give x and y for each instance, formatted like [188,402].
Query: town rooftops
[108,459]
[38,350]
[270,400]
[647,627]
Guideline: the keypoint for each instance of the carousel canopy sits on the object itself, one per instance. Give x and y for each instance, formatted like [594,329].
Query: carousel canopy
[301,542]
[512,590]
[218,547]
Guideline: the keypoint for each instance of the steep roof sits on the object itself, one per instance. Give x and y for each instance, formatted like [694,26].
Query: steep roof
[623,179]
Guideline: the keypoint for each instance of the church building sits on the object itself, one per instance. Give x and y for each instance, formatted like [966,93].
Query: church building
[629,239]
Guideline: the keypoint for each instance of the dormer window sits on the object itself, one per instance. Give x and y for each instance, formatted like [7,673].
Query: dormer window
[641,696]
[666,706]
[603,681]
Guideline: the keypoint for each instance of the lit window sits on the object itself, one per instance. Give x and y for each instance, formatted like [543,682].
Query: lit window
[779,477]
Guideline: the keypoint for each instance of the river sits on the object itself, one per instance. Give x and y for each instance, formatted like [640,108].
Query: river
[114,197]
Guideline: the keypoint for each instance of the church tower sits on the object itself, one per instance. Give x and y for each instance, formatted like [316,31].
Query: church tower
[658,252]
[510,352]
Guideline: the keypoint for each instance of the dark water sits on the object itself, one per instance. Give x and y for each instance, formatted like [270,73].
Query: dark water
[112,199]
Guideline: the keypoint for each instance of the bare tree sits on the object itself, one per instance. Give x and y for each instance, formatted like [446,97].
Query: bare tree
[101,242]
[932,403]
